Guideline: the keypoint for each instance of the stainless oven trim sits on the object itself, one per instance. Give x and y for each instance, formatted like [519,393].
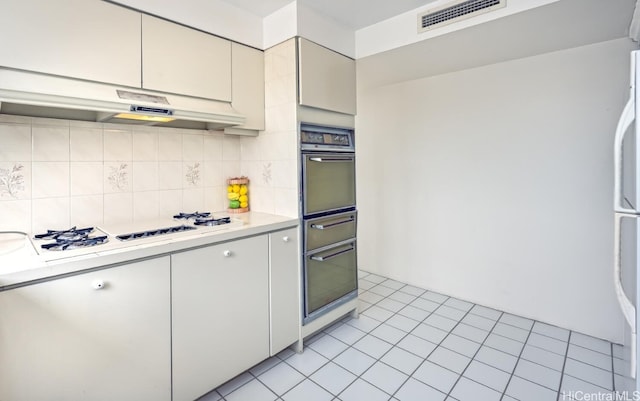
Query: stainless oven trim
[313,155]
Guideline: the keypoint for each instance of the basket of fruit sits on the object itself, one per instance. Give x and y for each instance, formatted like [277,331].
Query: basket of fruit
[238,194]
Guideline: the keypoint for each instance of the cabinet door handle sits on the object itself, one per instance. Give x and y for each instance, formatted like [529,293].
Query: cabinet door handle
[97,284]
[227,253]
[285,238]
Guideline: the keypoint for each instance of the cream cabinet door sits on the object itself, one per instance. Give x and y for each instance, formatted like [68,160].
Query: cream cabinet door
[220,314]
[66,340]
[285,282]
[326,79]
[248,85]
[91,40]
[181,60]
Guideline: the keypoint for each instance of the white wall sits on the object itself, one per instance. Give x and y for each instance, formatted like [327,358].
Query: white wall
[495,184]
[325,31]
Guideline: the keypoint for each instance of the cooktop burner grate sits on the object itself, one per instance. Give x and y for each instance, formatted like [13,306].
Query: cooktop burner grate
[70,234]
[211,221]
[153,233]
[65,245]
[194,215]
[72,238]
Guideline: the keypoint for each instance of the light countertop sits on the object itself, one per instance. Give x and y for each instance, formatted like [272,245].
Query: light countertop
[20,263]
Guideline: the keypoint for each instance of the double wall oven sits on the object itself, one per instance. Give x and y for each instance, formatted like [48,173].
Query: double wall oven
[328,208]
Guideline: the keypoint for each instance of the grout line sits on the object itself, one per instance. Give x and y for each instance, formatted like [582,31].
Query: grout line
[504,392]
[613,373]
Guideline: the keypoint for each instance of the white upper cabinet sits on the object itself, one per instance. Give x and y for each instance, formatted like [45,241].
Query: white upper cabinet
[326,79]
[182,60]
[91,40]
[247,82]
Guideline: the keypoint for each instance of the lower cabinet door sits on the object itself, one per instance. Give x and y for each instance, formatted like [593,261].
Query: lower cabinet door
[286,316]
[103,335]
[220,314]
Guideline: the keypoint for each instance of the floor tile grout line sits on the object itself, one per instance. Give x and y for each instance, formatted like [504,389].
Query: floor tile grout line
[473,357]
[394,345]
[425,358]
[613,373]
[352,346]
[504,392]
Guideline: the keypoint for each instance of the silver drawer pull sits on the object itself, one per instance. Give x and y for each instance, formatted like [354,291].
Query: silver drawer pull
[331,159]
[333,255]
[325,226]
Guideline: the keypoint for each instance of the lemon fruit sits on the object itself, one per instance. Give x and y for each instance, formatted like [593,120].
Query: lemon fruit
[243,198]
[233,196]
[243,189]
[236,188]
[230,188]
[244,204]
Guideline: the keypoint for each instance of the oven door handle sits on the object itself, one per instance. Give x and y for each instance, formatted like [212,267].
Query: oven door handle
[333,255]
[332,159]
[325,226]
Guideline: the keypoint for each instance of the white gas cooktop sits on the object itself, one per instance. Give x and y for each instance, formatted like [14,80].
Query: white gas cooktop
[112,237]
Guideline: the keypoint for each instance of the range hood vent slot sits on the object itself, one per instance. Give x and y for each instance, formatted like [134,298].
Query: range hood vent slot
[151,110]
[448,14]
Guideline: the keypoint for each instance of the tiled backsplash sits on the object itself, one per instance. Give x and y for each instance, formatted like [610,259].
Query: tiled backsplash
[57,173]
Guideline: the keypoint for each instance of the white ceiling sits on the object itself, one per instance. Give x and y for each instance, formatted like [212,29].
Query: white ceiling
[561,25]
[355,14]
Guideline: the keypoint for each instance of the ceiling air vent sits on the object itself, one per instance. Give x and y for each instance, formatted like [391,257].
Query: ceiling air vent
[454,12]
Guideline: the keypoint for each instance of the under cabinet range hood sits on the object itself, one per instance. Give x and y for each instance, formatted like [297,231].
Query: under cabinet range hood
[41,95]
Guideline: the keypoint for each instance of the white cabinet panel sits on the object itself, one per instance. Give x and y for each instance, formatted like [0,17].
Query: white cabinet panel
[285,289]
[182,60]
[248,85]
[91,40]
[220,314]
[326,79]
[65,340]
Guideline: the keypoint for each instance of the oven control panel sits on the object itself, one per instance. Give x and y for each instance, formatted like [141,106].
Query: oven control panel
[314,137]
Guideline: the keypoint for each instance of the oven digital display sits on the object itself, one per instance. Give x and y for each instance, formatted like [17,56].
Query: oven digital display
[312,137]
[319,138]
[341,140]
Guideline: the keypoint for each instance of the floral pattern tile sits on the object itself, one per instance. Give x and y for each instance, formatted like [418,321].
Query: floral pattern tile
[118,176]
[192,174]
[12,181]
[266,173]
